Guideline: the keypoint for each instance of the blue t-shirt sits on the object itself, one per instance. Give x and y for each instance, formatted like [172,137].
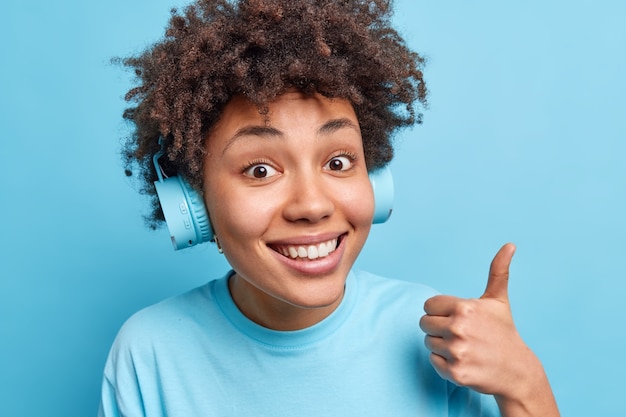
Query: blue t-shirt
[197,355]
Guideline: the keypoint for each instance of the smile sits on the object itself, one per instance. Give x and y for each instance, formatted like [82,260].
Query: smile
[307,252]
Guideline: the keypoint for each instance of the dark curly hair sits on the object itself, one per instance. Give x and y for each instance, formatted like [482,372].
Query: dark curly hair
[216,49]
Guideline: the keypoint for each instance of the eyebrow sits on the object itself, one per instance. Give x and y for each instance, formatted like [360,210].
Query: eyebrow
[326,129]
[337,124]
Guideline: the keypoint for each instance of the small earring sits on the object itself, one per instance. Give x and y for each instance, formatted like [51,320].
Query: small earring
[217,242]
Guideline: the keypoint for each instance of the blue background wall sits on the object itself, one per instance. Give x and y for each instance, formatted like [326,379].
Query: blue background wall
[524,141]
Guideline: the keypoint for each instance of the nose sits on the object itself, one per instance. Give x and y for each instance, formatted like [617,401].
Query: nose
[309,199]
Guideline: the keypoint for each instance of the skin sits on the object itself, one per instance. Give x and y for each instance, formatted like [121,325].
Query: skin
[316,188]
[474,343]
[298,178]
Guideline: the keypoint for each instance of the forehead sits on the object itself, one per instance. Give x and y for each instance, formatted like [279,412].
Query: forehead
[290,110]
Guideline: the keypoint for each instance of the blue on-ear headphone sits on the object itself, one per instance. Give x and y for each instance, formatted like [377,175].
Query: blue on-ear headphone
[188,221]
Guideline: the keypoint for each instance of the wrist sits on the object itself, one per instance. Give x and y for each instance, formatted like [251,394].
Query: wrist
[531,394]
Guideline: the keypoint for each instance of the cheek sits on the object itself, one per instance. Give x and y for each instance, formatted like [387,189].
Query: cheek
[237,216]
[358,203]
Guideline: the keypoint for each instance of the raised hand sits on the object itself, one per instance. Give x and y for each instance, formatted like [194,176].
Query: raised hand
[474,343]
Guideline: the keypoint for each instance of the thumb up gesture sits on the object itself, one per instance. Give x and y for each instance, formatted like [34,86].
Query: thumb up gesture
[474,343]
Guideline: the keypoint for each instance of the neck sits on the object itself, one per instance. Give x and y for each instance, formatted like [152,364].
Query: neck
[273,313]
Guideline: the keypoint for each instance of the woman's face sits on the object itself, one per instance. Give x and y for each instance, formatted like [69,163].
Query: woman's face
[290,200]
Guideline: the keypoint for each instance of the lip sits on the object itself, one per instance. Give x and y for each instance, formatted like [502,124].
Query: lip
[314,267]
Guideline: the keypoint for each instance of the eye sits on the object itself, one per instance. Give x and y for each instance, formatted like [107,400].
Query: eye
[260,171]
[340,163]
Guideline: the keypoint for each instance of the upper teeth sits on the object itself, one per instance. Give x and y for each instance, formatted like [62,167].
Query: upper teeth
[319,250]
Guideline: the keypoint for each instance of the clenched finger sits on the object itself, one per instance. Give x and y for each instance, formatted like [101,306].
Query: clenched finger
[435,325]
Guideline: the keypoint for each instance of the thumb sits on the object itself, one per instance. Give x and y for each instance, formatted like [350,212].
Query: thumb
[498,283]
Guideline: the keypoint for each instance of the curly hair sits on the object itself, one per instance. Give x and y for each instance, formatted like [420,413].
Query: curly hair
[216,49]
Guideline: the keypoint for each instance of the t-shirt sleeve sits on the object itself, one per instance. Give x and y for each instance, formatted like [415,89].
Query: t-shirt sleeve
[464,402]
[108,402]
[121,388]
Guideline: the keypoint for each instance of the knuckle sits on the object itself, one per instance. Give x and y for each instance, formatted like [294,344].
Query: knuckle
[458,352]
[460,364]
[465,308]
[459,369]
[458,329]
[460,375]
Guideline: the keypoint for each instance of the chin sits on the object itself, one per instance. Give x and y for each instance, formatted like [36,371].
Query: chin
[318,292]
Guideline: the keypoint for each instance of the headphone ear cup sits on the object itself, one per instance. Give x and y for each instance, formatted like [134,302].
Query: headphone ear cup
[382,184]
[184,211]
[199,212]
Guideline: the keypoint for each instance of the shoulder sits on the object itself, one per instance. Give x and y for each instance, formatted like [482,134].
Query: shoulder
[175,318]
[173,309]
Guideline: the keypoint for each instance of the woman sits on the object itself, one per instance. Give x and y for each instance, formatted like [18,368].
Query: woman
[274,112]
